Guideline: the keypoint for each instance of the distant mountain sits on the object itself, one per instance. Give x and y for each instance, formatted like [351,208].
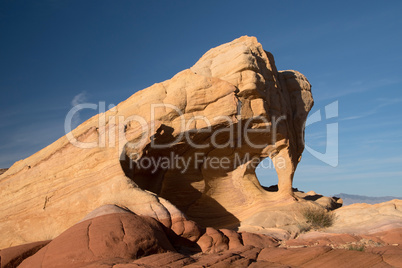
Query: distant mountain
[349,199]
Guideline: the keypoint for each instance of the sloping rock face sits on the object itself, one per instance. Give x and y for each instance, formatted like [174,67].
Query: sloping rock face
[2,170]
[364,218]
[187,145]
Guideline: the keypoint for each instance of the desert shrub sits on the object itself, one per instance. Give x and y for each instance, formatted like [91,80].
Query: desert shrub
[357,248]
[318,218]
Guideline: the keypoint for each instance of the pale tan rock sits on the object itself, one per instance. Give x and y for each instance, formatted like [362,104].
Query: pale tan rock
[51,190]
[366,219]
[3,170]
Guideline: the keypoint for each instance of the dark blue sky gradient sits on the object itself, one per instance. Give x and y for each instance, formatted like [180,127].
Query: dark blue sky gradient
[52,51]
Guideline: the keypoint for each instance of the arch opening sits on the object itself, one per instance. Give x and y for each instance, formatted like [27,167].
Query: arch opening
[267,175]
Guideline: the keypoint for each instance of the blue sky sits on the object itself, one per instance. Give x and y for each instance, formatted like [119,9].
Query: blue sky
[54,53]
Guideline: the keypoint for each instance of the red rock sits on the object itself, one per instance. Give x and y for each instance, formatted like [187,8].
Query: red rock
[345,258]
[107,251]
[241,257]
[325,239]
[232,262]
[394,260]
[300,242]
[170,259]
[392,255]
[186,229]
[258,240]
[390,250]
[213,241]
[13,256]
[291,256]
[209,260]
[392,236]
[122,235]
[264,264]
[235,240]
[249,252]
[112,263]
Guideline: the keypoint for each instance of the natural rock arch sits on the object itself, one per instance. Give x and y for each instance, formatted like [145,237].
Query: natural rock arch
[241,82]
[228,87]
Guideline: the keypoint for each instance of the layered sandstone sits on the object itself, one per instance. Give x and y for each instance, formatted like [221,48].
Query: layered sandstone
[113,237]
[232,104]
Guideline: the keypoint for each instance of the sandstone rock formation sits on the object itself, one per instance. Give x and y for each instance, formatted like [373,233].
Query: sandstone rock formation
[232,104]
[2,170]
[121,235]
[111,237]
[366,219]
[12,257]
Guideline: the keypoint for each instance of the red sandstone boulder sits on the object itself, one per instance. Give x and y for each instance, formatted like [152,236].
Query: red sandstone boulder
[12,257]
[213,241]
[235,240]
[122,236]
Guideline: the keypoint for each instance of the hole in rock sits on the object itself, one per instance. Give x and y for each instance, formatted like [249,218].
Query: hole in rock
[200,190]
[266,175]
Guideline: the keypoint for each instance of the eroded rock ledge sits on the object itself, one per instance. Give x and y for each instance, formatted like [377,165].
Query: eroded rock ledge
[232,104]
